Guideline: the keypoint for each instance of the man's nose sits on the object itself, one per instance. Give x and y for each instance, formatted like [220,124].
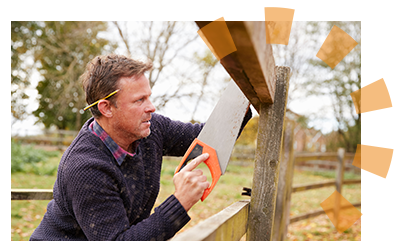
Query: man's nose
[150,107]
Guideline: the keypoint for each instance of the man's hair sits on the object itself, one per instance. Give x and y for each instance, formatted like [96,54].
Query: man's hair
[102,75]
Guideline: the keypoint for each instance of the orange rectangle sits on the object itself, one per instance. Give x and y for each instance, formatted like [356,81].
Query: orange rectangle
[375,160]
[218,39]
[278,32]
[335,47]
[278,24]
[375,96]
[278,14]
[340,211]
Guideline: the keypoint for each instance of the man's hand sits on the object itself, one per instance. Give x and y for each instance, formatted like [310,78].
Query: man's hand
[190,183]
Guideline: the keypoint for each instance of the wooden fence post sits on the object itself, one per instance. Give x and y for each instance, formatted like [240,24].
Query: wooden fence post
[339,183]
[340,169]
[284,184]
[266,170]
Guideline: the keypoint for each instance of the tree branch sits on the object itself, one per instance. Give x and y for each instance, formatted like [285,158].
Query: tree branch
[123,37]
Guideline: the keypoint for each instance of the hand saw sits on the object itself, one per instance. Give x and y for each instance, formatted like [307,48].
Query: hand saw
[219,134]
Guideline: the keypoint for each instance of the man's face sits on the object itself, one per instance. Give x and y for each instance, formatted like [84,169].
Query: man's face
[132,115]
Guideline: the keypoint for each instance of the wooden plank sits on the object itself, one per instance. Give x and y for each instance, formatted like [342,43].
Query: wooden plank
[266,171]
[320,169]
[31,194]
[313,186]
[321,162]
[326,156]
[285,181]
[307,215]
[303,157]
[323,184]
[229,224]
[352,181]
[252,66]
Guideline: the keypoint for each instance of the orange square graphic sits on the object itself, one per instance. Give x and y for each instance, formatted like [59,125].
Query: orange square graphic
[375,160]
[278,14]
[278,24]
[340,211]
[372,97]
[218,38]
[278,32]
[336,46]
[375,96]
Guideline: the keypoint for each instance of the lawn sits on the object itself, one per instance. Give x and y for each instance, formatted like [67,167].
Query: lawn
[26,215]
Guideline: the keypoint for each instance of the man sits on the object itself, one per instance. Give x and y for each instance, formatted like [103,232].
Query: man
[109,178]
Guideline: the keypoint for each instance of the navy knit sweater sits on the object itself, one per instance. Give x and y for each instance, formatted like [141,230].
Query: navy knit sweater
[95,198]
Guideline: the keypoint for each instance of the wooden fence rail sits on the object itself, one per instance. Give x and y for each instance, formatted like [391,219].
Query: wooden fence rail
[299,188]
[315,213]
[230,225]
[31,194]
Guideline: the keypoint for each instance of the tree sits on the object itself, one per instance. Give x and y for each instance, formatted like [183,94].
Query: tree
[23,40]
[207,63]
[182,62]
[295,55]
[62,51]
[339,83]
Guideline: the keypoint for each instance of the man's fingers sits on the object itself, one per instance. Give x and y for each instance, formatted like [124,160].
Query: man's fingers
[197,171]
[195,162]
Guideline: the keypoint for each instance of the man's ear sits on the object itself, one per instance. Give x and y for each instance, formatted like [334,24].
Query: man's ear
[104,107]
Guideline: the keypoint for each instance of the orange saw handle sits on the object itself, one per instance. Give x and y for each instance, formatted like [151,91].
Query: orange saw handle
[197,148]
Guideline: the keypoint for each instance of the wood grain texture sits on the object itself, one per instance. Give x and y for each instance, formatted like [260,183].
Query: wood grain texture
[252,66]
[266,171]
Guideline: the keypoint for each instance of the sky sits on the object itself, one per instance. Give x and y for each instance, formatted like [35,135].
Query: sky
[176,110]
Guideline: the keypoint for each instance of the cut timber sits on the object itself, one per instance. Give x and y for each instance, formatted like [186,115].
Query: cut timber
[229,224]
[267,161]
[252,66]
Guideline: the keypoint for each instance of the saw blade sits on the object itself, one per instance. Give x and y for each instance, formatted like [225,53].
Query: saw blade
[223,125]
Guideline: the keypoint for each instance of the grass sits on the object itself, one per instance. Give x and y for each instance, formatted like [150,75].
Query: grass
[27,159]
[26,215]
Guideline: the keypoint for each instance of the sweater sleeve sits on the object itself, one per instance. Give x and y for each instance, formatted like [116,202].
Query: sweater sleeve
[101,214]
[176,136]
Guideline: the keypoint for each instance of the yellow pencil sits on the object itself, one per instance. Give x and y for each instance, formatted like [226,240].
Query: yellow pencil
[91,105]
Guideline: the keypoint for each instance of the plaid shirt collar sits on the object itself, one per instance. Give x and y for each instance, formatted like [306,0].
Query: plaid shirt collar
[118,153]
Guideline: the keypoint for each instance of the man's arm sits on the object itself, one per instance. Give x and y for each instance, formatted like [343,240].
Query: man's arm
[101,213]
[176,136]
